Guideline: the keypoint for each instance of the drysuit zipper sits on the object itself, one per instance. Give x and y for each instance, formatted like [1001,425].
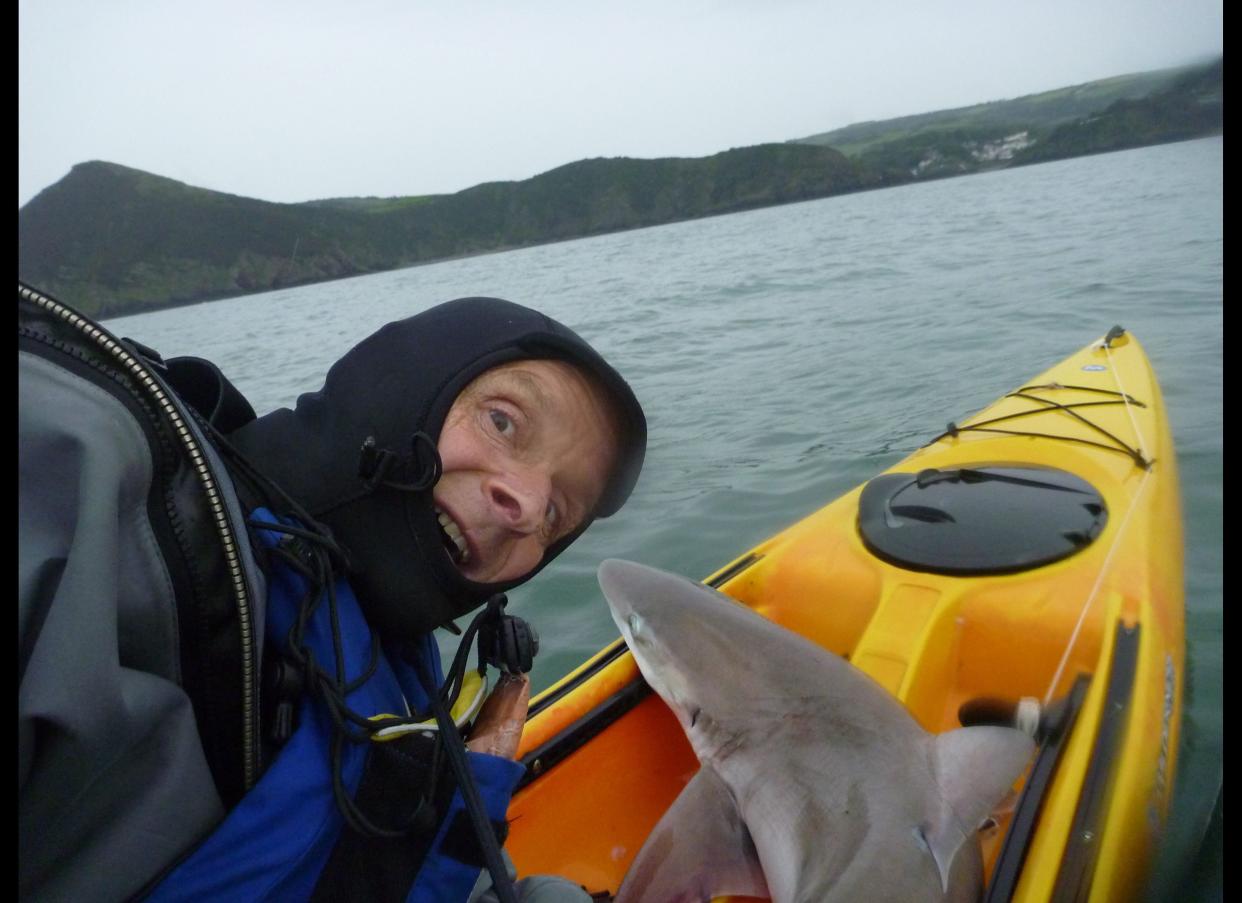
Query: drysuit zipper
[219,513]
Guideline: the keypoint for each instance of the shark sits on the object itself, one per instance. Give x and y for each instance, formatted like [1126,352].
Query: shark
[814,783]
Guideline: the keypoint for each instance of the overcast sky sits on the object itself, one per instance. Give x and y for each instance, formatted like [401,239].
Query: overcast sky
[293,100]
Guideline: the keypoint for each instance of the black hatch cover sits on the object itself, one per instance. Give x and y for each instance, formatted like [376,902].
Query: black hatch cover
[981,520]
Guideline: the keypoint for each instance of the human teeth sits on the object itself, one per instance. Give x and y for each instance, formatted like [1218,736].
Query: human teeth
[453,532]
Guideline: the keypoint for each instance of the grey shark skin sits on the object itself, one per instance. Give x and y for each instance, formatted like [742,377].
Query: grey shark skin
[815,784]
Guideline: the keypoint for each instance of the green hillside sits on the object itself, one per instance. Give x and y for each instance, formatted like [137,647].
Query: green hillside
[110,240]
[1044,110]
[1112,114]
[1189,107]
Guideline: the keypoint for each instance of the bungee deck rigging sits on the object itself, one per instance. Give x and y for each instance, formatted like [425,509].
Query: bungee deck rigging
[984,426]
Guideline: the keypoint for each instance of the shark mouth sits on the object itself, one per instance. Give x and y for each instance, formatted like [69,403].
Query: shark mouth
[453,539]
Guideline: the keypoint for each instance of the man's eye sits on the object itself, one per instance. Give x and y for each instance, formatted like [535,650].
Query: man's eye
[502,422]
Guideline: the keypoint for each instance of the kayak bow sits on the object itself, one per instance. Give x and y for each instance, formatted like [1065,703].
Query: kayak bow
[1033,551]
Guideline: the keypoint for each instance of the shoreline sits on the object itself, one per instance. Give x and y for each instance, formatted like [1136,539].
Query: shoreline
[208,297]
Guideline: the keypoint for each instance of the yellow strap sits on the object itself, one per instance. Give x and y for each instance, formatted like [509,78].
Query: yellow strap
[469,701]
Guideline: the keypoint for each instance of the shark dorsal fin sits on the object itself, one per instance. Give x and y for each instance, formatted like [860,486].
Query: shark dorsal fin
[974,767]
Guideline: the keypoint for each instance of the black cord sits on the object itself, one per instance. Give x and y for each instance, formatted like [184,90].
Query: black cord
[455,749]
[984,426]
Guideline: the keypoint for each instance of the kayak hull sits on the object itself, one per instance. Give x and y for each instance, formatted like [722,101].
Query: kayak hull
[605,757]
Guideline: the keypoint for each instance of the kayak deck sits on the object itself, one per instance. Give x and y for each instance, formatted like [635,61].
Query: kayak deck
[605,757]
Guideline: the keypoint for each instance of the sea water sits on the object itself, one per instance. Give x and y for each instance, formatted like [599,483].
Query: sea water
[785,355]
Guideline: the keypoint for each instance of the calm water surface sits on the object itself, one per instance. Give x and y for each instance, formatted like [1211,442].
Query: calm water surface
[787,354]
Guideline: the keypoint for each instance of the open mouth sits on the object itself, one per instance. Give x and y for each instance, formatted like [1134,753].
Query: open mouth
[454,541]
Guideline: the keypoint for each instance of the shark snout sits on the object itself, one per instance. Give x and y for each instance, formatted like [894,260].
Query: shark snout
[612,580]
[654,608]
[618,578]
[630,595]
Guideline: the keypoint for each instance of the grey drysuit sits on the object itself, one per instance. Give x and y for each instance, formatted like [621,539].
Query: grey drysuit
[113,777]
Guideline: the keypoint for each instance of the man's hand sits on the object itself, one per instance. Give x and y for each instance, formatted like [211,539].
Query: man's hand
[498,728]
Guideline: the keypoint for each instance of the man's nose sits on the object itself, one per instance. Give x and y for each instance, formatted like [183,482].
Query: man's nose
[521,501]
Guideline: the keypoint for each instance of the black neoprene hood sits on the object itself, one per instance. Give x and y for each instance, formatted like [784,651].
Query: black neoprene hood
[401,381]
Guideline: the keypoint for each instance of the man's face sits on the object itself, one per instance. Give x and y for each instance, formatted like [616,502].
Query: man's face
[527,449]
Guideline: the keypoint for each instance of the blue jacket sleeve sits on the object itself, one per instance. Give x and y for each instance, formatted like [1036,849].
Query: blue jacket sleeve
[444,877]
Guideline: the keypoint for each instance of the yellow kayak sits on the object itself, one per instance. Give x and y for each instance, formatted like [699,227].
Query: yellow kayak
[1032,552]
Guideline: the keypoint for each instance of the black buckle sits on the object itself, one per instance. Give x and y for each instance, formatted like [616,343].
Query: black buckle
[506,641]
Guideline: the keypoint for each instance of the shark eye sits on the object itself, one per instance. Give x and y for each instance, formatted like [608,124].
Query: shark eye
[636,624]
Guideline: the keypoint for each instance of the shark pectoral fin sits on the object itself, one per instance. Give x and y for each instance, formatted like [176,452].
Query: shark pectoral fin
[700,849]
[974,768]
